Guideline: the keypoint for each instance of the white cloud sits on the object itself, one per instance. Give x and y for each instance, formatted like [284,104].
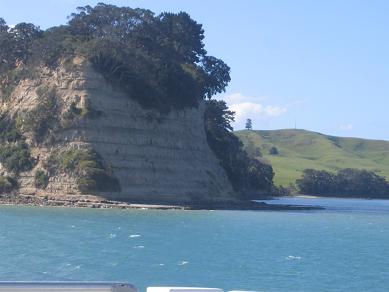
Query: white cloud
[345,127]
[239,98]
[246,110]
[252,107]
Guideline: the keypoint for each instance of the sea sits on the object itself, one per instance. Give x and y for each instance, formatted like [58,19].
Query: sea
[342,248]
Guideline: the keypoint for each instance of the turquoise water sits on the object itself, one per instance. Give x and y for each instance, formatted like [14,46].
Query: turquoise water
[344,248]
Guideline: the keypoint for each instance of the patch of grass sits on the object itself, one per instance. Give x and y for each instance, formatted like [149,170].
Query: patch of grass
[300,149]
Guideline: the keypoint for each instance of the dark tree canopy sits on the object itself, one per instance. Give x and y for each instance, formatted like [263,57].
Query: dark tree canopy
[159,60]
[217,75]
[181,37]
[3,26]
[346,182]
[17,43]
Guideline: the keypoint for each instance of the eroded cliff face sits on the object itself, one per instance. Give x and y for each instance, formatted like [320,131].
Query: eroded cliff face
[155,157]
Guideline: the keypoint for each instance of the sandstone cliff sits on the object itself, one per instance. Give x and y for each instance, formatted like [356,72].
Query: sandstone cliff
[155,157]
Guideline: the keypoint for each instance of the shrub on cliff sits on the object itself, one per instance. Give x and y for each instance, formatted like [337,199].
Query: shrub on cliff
[7,184]
[15,157]
[14,152]
[8,130]
[87,166]
[41,179]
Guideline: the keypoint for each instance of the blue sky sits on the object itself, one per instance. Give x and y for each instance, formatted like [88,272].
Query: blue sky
[318,65]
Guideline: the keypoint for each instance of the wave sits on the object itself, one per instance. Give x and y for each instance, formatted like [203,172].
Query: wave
[291,257]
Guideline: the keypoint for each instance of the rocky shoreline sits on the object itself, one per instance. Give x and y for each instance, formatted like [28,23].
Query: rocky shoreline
[99,203]
[31,200]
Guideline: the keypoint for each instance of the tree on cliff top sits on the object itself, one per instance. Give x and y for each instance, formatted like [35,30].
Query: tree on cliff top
[16,43]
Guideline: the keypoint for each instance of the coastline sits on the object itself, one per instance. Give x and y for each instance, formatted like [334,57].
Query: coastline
[98,203]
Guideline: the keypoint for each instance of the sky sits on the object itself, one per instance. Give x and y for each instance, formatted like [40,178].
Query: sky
[314,65]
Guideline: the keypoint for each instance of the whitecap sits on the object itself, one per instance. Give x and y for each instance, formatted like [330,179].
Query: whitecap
[291,257]
[74,268]
[134,236]
[139,246]
[183,263]
[112,235]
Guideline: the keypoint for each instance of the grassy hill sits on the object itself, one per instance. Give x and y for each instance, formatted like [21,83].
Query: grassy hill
[301,149]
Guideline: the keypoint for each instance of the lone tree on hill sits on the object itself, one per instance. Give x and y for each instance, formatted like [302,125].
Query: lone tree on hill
[249,124]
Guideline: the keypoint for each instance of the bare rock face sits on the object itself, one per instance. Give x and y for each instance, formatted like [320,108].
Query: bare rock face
[155,157]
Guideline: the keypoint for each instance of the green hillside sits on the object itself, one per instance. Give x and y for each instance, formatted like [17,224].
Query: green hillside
[301,149]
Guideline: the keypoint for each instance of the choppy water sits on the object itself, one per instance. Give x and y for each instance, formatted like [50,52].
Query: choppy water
[345,248]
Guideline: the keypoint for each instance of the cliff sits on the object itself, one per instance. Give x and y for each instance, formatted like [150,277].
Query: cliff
[153,156]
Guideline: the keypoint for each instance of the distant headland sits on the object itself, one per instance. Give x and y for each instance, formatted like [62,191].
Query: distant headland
[323,165]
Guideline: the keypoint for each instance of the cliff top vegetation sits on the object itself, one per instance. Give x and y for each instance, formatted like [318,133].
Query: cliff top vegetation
[159,60]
